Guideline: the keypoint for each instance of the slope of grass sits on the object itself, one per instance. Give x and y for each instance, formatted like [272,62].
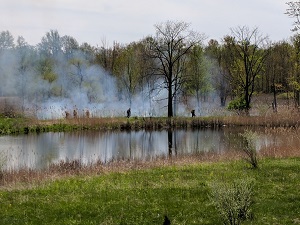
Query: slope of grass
[144,196]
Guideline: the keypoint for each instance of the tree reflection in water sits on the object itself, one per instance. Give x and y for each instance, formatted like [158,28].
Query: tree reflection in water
[38,151]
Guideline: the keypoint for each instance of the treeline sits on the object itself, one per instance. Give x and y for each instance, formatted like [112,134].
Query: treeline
[175,60]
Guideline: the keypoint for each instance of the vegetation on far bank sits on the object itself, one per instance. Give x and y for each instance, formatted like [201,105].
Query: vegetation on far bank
[23,125]
[145,196]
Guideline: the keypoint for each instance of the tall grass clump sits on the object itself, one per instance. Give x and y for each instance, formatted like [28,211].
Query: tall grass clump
[249,147]
[2,163]
[233,201]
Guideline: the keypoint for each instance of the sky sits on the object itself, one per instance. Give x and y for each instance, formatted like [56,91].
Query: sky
[100,22]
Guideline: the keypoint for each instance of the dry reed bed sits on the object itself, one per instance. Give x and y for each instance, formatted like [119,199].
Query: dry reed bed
[28,177]
[283,150]
[273,120]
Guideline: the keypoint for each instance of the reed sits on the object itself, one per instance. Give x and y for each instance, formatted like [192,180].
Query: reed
[261,114]
[30,125]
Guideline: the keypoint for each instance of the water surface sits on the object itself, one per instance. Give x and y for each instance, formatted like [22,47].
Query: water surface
[38,151]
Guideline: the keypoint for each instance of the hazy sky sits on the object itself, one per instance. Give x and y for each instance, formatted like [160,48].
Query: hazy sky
[126,21]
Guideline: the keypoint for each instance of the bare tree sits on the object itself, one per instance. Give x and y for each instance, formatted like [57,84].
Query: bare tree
[294,12]
[172,43]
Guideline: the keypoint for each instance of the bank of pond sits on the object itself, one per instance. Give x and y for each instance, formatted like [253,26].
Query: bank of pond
[23,125]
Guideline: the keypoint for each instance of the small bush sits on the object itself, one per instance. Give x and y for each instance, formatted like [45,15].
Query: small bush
[237,104]
[249,147]
[233,201]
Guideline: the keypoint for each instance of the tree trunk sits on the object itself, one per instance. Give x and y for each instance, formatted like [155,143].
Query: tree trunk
[170,93]
[170,102]
[274,103]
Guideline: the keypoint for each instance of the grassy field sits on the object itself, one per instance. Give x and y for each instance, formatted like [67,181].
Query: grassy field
[144,195]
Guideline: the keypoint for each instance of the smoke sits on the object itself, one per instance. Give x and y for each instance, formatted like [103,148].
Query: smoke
[47,92]
[50,87]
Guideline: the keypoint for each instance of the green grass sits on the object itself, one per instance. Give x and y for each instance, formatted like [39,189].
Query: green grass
[11,125]
[145,196]
[23,125]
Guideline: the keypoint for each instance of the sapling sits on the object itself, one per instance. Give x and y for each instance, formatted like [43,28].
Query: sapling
[249,147]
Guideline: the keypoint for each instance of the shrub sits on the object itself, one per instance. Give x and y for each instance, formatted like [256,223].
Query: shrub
[237,104]
[249,147]
[233,201]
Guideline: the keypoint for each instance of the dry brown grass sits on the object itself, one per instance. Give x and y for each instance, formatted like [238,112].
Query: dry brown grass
[287,118]
[291,146]
[25,178]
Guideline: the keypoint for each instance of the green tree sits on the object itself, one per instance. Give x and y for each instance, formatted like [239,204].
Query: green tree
[7,63]
[51,44]
[88,52]
[198,82]
[279,67]
[217,68]
[248,51]
[46,73]
[129,70]
[70,46]
[77,72]
[6,40]
[294,80]
[26,59]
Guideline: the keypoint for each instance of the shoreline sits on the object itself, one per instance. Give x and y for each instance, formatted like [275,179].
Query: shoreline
[23,125]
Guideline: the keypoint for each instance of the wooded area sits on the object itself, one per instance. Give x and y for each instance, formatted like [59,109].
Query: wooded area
[176,60]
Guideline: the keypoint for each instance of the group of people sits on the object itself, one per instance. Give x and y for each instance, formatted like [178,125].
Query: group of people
[75,114]
[87,113]
[129,113]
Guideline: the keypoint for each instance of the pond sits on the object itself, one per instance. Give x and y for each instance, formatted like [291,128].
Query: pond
[37,151]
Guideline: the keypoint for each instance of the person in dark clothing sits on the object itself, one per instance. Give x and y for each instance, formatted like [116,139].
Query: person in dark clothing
[87,113]
[67,114]
[128,113]
[75,113]
[193,113]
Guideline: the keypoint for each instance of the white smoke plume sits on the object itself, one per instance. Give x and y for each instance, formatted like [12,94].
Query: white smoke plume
[95,91]
[76,84]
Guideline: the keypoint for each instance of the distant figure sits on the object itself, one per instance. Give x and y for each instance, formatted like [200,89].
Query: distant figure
[193,113]
[166,221]
[128,113]
[75,113]
[87,113]
[67,114]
